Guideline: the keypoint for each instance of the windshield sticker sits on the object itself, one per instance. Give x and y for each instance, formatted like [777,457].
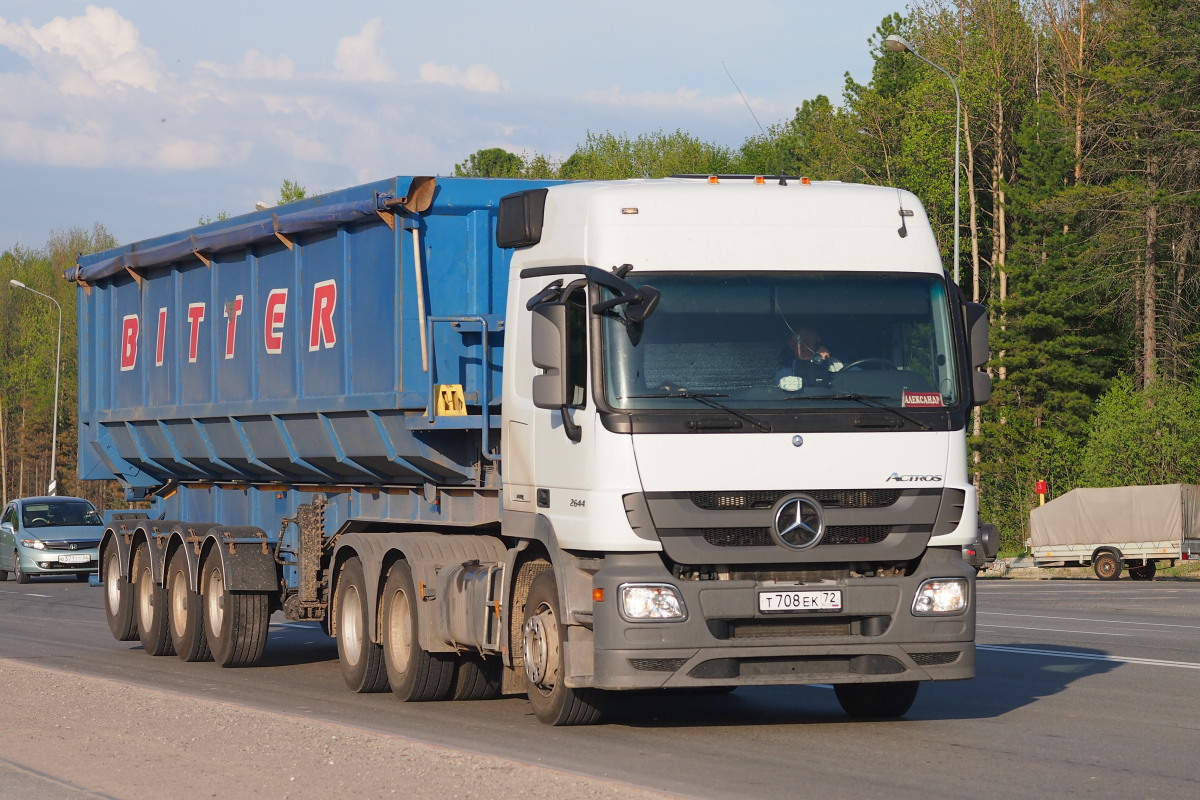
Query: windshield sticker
[922,400]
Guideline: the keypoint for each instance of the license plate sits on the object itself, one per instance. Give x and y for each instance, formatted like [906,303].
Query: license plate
[795,601]
[74,558]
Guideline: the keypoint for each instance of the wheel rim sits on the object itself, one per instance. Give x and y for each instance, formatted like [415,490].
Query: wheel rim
[145,599]
[1107,567]
[350,626]
[214,600]
[541,649]
[112,592]
[178,602]
[16,564]
[399,632]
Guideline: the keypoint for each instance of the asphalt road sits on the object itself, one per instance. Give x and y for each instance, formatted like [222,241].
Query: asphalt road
[1084,689]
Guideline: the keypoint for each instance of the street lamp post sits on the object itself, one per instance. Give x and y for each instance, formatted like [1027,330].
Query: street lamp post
[52,489]
[898,44]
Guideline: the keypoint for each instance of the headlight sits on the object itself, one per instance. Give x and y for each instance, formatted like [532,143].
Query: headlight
[649,601]
[36,544]
[940,596]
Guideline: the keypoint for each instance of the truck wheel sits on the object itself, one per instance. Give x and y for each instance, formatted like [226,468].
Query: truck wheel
[234,622]
[1107,566]
[118,598]
[19,575]
[415,675]
[543,634]
[1145,572]
[186,617]
[150,604]
[876,700]
[361,659]
[476,677]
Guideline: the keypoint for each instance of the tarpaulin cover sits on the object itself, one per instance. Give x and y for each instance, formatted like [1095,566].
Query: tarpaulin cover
[218,239]
[1118,514]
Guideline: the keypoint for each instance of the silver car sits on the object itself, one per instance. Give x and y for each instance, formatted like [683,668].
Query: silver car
[49,536]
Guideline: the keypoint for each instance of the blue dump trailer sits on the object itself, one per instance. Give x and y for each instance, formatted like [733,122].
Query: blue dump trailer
[560,439]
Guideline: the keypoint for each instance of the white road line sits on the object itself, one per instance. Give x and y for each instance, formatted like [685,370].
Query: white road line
[24,594]
[1053,630]
[1153,662]
[1086,619]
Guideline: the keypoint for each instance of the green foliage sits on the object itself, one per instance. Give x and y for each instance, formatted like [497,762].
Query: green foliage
[291,191]
[207,220]
[1143,436]
[611,156]
[491,163]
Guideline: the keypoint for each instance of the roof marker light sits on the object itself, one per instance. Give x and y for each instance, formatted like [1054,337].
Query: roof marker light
[760,180]
[713,179]
[806,181]
[629,210]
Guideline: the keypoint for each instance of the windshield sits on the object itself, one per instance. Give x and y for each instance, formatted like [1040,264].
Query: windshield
[785,341]
[55,513]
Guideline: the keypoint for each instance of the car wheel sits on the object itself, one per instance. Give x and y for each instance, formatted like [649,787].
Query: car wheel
[1107,567]
[19,575]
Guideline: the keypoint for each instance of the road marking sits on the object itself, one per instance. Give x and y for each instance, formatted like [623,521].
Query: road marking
[24,594]
[304,626]
[1086,619]
[1053,630]
[1153,662]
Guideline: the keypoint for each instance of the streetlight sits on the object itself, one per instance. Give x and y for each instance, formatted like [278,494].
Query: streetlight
[53,488]
[898,44]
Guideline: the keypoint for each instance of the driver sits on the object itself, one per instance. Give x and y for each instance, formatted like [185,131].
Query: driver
[805,359]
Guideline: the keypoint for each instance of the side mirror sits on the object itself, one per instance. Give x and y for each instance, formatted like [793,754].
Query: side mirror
[548,335]
[977,341]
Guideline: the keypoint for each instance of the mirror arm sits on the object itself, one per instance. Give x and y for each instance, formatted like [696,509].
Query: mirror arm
[573,431]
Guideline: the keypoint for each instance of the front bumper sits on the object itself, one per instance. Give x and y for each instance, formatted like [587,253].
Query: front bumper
[726,641]
[47,562]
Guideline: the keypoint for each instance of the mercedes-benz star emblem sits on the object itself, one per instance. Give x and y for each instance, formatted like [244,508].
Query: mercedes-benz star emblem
[799,521]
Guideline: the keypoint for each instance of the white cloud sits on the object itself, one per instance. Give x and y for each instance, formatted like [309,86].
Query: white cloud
[86,55]
[360,58]
[680,99]
[475,78]
[256,65]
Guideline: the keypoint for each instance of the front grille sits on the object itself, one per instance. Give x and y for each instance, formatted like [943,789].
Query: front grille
[780,628]
[934,659]
[761,537]
[829,498]
[657,664]
[71,545]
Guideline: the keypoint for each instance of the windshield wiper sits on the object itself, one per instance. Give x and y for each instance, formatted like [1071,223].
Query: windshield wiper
[707,399]
[871,400]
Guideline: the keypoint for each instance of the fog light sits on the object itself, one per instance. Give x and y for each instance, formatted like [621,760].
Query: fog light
[940,596]
[651,601]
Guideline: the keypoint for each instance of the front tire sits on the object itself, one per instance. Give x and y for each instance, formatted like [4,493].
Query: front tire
[19,575]
[876,700]
[543,637]
[186,618]
[235,622]
[360,658]
[1107,566]
[415,675]
[150,604]
[118,597]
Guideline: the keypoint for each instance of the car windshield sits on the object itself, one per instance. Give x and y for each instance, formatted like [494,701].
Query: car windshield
[785,341]
[59,513]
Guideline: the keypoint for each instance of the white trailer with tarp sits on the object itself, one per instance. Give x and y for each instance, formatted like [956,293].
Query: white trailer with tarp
[1117,528]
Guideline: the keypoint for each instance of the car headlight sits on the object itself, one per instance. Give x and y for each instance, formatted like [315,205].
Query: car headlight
[651,601]
[36,544]
[940,596]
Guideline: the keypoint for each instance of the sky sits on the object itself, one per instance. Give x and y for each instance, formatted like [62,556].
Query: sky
[147,115]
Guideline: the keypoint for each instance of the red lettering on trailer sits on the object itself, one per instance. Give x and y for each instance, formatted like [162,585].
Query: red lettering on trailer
[273,320]
[129,342]
[162,337]
[195,317]
[321,331]
[233,310]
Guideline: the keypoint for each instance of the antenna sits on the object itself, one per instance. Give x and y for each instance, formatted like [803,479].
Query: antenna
[779,165]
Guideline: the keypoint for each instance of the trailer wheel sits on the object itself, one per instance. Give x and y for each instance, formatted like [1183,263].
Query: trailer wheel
[360,658]
[1107,566]
[150,605]
[118,598]
[1145,572]
[415,675]
[186,616]
[543,635]
[476,677]
[876,700]
[234,622]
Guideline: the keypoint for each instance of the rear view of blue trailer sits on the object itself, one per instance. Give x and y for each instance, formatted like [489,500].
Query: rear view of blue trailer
[532,437]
